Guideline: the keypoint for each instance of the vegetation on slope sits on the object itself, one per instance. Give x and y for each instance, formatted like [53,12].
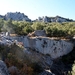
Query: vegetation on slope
[52,29]
[69,61]
[23,28]
[24,65]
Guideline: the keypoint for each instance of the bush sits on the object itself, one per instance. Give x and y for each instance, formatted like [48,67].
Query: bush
[27,29]
[36,68]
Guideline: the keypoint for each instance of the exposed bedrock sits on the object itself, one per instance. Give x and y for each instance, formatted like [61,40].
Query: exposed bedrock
[45,45]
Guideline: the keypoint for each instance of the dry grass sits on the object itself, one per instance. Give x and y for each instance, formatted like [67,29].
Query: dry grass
[13,34]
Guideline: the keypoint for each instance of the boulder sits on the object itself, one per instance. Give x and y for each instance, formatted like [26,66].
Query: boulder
[37,33]
[40,33]
[3,68]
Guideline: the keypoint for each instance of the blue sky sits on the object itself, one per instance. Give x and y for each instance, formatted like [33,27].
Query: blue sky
[35,8]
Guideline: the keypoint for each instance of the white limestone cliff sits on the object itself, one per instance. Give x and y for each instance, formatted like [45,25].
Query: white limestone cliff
[45,45]
[54,19]
[17,16]
[42,44]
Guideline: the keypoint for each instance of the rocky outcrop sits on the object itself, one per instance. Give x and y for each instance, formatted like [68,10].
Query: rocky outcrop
[54,19]
[3,69]
[21,17]
[34,56]
[45,45]
[37,33]
[16,16]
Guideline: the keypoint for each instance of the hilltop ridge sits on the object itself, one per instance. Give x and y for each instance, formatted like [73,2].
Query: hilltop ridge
[16,16]
[22,17]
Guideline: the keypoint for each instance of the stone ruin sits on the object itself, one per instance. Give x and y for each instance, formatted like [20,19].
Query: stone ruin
[37,33]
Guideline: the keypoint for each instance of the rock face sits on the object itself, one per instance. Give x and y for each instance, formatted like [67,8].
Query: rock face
[34,56]
[16,16]
[54,19]
[3,68]
[45,45]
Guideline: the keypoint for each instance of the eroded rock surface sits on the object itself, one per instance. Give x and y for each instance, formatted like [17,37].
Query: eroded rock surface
[44,60]
[45,45]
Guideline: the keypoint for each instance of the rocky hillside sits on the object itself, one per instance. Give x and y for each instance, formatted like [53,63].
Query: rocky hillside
[15,16]
[38,55]
[54,19]
[22,17]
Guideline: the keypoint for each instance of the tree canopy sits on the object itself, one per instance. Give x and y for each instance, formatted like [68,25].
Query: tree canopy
[52,29]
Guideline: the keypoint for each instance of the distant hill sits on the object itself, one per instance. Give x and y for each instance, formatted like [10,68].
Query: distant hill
[54,19]
[16,16]
[22,17]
